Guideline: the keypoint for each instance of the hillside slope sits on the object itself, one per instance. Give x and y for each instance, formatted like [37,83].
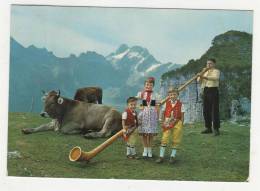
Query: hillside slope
[233,52]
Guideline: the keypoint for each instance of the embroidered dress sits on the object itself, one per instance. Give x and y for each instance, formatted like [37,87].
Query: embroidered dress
[148,117]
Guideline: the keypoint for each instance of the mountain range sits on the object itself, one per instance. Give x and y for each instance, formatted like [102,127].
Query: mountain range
[120,74]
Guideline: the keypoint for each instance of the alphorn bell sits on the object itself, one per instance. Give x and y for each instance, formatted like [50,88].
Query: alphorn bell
[76,154]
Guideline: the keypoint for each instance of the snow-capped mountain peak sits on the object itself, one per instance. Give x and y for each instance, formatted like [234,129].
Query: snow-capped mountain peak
[135,56]
[137,63]
[119,56]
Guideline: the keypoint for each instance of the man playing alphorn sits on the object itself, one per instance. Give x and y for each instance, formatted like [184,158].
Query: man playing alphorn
[210,83]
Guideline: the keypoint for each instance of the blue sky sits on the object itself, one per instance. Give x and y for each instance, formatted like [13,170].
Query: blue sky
[171,35]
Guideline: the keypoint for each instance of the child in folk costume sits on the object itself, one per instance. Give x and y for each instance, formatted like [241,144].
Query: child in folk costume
[129,123]
[148,117]
[172,123]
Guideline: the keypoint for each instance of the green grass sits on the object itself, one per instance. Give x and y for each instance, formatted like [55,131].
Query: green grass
[200,158]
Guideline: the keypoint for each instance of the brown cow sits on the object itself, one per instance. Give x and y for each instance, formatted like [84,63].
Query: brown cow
[75,117]
[89,94]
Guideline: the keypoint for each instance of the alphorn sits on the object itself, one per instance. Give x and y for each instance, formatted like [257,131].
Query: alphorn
[76,154]
[183,86]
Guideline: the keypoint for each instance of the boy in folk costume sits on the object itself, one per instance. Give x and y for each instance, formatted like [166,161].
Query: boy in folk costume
[130,123]
[172,123]
[148,117]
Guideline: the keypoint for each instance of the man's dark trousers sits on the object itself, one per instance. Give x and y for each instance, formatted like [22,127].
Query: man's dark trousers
[211,107]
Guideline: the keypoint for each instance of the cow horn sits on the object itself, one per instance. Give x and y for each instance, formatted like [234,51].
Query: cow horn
[58,94]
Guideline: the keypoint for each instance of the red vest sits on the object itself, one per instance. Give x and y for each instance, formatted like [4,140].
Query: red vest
[131,119]
[176,113]
[176,109]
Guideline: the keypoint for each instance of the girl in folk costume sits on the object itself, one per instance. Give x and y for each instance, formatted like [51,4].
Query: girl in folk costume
[172,123]
[130,123]
[148,117]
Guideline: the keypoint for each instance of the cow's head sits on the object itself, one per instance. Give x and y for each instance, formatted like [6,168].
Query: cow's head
[53,104]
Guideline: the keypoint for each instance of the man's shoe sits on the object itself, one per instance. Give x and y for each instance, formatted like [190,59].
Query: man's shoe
[216,132]
[172,160]
[206,131]
[159,160]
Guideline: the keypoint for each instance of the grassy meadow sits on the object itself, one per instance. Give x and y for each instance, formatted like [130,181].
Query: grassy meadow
[200,158]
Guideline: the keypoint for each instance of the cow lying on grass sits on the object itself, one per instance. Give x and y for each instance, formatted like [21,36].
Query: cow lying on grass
[76,117]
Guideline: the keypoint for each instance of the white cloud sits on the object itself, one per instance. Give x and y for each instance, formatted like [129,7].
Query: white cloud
[57,38]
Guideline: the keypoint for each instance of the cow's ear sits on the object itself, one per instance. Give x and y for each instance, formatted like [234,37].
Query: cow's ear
[60,100]
[43,92]
[58,94]
[43,98]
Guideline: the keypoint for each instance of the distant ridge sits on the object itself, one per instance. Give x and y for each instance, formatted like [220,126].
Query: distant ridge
[33,69]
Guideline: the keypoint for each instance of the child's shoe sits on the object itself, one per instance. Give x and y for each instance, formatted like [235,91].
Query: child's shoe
[129,156]
[159,160]
[135,157]
[172,160]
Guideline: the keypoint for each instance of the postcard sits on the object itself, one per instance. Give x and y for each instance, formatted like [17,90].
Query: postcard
[129,96]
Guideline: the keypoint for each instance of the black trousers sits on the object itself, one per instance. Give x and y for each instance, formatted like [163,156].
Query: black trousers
[211,107]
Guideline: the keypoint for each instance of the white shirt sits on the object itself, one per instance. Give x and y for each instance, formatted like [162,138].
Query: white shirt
[212,78]
[124,115]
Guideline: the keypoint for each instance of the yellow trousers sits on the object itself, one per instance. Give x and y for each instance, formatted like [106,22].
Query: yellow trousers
[132,139]
[176,132]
